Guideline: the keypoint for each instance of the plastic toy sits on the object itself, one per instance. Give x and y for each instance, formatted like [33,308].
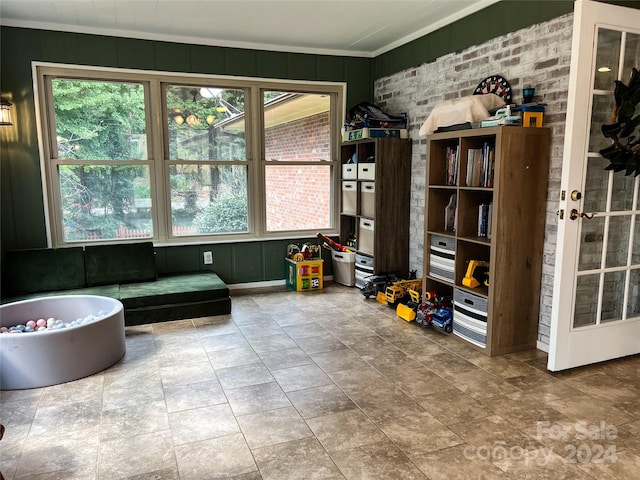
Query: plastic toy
[331,244]
[376,284]
[400,289]
[435,311]
[477,274]
[443,319]
[299,253]
[293,250]
[408,311]
[502,117]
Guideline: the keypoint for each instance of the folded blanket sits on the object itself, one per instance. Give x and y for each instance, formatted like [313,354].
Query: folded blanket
[474,108]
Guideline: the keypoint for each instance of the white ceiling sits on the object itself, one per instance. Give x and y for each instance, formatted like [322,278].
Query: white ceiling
[364,28]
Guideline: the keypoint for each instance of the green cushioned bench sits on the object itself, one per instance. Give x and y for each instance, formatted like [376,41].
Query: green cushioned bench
[126,272]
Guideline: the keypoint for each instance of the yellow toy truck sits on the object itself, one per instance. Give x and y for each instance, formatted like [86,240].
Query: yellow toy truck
[399,290]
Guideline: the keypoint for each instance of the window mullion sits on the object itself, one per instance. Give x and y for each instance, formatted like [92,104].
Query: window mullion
[159,187]
[51,165]
[257,180]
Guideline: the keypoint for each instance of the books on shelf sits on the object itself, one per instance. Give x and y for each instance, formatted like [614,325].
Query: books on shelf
[485,213]
[480,166]
[451,214]
[474,167]
[452,164]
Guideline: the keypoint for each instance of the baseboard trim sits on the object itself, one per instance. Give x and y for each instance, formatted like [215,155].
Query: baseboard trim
[238,287]
[265,284]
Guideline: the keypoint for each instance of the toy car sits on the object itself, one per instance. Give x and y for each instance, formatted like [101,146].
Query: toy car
[436,312]
[443,320]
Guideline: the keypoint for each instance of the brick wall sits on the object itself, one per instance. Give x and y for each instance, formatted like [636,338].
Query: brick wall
[298,197]
[537,56]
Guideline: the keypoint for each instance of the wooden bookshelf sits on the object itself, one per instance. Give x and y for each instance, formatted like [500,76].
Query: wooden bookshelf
[379,214]
[508,308]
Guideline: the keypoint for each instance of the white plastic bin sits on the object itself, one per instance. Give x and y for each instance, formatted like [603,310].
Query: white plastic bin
[344,270]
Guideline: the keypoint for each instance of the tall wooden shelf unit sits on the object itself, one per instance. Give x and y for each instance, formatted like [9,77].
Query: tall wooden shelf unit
[375,203]
[508,308]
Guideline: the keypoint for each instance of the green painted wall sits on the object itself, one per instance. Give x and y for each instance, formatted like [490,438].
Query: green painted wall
[234,263]
[22,209]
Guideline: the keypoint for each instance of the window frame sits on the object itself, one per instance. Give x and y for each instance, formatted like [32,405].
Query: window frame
[335,172]
[158,162]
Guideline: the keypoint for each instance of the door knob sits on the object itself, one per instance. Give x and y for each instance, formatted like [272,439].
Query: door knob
[575,214]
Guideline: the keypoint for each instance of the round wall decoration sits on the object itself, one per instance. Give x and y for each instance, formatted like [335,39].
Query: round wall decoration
[495,84]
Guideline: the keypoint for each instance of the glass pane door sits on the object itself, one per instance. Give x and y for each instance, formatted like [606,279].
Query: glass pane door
[609,260]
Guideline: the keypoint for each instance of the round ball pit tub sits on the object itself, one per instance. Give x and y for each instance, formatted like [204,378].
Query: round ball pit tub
[41,359]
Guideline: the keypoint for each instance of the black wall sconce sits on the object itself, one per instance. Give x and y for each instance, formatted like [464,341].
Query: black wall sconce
[5,112]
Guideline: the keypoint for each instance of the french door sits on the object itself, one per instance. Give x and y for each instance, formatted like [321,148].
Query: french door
[596,306]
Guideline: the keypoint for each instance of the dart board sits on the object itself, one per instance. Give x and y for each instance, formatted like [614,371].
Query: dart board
[497,85]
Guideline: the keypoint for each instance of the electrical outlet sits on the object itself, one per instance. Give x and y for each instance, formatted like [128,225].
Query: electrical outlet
[208,258]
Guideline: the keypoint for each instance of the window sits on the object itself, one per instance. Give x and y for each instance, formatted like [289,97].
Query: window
[297,167]
[208,171]
[183,158]
[103,170]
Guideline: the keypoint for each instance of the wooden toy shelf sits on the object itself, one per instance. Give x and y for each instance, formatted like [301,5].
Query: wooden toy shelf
[496,216]
[375,204]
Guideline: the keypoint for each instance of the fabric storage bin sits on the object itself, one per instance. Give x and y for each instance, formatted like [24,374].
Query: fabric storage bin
[363,269]
[361,277]
[364,261]
[365,236]
[442,257]
[367,199]
[470,317]
[366,171]
[344,268]
[349,197]
[349,171]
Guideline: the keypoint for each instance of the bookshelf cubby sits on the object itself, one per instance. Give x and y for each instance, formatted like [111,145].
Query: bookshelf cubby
[500,317]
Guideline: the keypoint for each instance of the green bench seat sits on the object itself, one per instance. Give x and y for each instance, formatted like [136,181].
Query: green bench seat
[126,272]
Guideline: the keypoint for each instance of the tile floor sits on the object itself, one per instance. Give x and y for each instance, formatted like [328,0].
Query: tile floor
[323,385]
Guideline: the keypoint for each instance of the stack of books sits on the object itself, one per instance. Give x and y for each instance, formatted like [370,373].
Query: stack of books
[485,212]
[452,165]
[480,166]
